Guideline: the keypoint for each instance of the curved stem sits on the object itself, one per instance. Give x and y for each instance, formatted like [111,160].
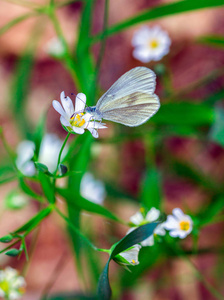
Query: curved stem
[59,157]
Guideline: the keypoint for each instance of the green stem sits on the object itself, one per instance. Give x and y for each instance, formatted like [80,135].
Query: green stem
[102,47]
[59,157]
[69,62]
[8,149]
[75,229]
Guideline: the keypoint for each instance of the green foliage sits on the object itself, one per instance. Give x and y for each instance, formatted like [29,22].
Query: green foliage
[217,129]
[180,115]
[33,222]
[212,40]
[6,239]
[136,236]
[151,190]
[194,114]
[13,252]
[163,11]
[80,203]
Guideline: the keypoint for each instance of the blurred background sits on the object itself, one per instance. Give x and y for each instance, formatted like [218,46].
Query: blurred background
[176,158]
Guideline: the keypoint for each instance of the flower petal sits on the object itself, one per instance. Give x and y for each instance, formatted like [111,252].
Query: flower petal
[143,54]
[152,215]
[171,223]
[178,214]
[78,130]
[94,132]
[148,242]
[57,106]
[64,121]
[131,255]
[175,233]
[141,36]
[80,102]
[160,230]
[67,104]
[137,218]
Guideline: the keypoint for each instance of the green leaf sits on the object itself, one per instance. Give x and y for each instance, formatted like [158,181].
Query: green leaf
[212,40]
[151,190]
[21,82]
[39,133]
[104,290]
[161,11]
[47,186]
[28,190]
[136,236]
[6,170]
[8,179]
[214,97]
[79,157]
[13,252]
[33,222]
[81,203]
[217,130]
[20,88]
[207,215]
[6,239]
[184,113]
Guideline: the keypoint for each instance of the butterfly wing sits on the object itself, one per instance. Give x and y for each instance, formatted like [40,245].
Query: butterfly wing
[138,108]
[130,100]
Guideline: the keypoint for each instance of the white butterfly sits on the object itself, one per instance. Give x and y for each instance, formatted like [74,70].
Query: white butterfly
[130,100]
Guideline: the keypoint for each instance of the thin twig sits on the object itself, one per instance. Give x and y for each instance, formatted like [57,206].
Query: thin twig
[54,275]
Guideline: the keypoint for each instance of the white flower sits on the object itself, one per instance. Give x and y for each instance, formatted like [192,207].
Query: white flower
[150,44]
[25,152]
[49,150]
[75,119]
[151,216]
[55,47]
[129,256]
[179,224]
[92,189]
[12,286]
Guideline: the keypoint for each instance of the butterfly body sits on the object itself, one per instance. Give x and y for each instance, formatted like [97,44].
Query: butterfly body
[130,100]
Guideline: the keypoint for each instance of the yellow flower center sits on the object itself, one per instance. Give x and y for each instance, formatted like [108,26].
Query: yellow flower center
[153,44]
[133,261]
[4,285]
[77,120]
[184,225]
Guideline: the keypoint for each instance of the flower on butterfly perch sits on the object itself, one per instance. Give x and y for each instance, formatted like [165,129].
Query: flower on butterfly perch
[179,224]
[129,257]
[150,44]
[12,286]
[75,119]
[140,218]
